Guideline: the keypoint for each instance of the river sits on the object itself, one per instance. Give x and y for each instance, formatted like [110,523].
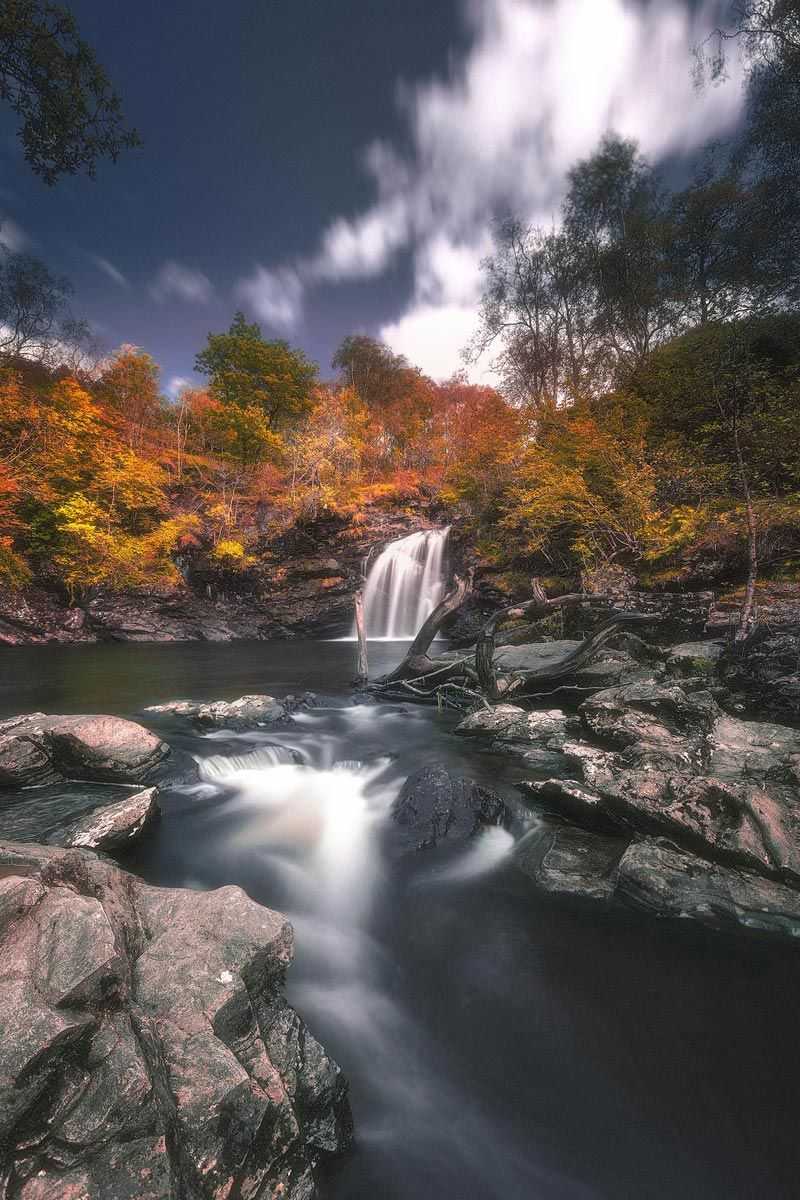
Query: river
[500,1045]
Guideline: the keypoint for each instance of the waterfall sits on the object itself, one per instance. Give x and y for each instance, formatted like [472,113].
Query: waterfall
[404,585]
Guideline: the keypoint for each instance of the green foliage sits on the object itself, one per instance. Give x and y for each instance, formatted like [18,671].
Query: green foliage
[248,372]
[69,114]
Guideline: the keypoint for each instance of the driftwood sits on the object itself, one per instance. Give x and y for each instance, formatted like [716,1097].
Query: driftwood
[536,608]
[417,664]
[473,679]
[362,666]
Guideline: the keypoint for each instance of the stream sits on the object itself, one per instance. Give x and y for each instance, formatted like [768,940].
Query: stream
[499,1044]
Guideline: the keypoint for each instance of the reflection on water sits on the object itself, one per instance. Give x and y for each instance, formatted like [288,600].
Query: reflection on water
[500,1045]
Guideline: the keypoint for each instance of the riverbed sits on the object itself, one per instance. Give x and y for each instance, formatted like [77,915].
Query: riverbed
[499,1045]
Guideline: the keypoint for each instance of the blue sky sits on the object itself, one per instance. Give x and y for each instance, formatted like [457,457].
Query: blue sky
[335,165]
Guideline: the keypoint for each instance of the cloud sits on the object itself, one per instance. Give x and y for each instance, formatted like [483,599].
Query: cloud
[110,270]
[182,282]
[176,385]
[275,296]
[540,84]
[12,236]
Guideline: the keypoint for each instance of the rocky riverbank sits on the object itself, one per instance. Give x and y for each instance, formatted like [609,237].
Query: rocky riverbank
[300,584]
[655,793]
[147,1048]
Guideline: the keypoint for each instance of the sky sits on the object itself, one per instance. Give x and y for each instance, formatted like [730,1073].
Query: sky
[335,166]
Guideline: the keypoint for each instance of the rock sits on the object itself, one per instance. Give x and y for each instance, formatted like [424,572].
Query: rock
[112,827]
[562,858]
[695,659]
[649,713]
[756,750]
[491,721]
[247,712]
[668,882]
[38,748]
[24,762]
[533,656]
[765,669]
[435,805]
[148,1050]
[578,804]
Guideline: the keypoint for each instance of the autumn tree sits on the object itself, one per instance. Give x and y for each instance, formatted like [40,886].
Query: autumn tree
[130,385]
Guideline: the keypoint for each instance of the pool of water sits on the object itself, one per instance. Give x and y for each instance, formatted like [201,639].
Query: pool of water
[500,1045]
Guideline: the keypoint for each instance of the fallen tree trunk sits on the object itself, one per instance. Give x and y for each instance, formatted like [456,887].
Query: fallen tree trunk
[577,658]
[416,662]
[537,607]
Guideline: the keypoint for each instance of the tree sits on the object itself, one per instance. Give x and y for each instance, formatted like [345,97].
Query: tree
[129,384]
[32,301]
[727,394]
[615,215]
[247,371]
[69,114]
[768,150]
[537,316]
[372,369]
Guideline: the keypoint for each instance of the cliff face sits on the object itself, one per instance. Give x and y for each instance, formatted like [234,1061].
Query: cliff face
[301,584]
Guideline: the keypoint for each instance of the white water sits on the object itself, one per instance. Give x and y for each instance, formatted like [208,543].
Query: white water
[404,585]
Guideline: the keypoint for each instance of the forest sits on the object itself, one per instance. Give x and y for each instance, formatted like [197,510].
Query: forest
[644,353]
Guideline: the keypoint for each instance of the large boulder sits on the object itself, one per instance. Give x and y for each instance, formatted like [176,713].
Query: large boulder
[36,749]
[658,877]
[112,827]
[434,805]
[649,713]
[147,1050]
[718,786]
[248,712]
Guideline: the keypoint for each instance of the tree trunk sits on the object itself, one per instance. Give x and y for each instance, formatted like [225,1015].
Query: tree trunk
[746,617]
[416,661]
[538,606]
[362,667]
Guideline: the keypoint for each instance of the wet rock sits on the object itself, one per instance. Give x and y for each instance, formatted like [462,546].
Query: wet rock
[648,713]
[112,827]
[247,712]
[148,1050]
[565,859]
[24,762]
[435,805]
[573,801]
[670,883]
[38,748]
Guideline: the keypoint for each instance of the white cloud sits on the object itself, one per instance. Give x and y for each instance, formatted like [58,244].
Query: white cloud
[12,236]
[110,270]
[542,82]
[276,296]
[176,385]
[432,336]
[182,282]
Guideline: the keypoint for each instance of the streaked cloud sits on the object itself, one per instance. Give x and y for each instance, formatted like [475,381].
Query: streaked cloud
[274,296]
[110,270]
[542,82]
[12,236]
[176,281]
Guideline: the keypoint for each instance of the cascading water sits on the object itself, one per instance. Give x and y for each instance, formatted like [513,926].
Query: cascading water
[404,585]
